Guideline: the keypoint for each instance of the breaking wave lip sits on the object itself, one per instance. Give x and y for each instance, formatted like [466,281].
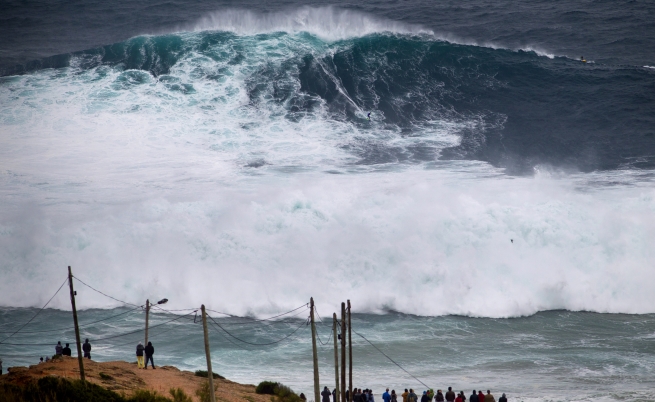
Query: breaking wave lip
[328,23]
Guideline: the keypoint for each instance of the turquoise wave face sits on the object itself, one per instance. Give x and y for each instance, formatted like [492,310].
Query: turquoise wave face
[515,109]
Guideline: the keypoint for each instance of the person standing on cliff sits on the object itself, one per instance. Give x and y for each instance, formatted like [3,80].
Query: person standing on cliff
[58,349]
[139,355]
[66,351]
[86,348]
[150,350]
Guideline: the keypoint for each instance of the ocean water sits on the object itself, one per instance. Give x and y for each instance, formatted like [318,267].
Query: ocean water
[492,222]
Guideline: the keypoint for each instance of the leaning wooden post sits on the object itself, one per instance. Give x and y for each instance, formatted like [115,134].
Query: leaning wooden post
[317,392]
[343,352]
[350,358]
[77,328]
[147,317]
[336,357]
[210,374]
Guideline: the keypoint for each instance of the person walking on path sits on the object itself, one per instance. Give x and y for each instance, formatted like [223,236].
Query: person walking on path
[66,351]
[58,349]
[473,397]
[86,348]
[439,396]
[502,398]
[139,355]
[394,397]
[386,397]
[150,350]
[325,394]
[450,395]
[489,397]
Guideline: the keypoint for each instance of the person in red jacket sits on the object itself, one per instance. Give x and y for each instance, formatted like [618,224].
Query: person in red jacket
[480,396]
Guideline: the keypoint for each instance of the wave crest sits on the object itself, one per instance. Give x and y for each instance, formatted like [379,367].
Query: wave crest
[328,23]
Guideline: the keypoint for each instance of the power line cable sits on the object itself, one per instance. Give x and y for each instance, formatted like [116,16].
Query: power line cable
[37,313]
[104,294]
[385,355]
[139,330]
[262,319]
[83,325]
[259,344]
[101,339]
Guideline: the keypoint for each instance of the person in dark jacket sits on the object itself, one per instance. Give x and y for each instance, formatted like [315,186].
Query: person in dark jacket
[450,395]
[502,398]
[412,396]
[58,349]
[139,355]
[394,397]
[473,397]
[66,351]
[326,394]
[334,395]
[150,350]
[425,397]
[86,348]
[439,396]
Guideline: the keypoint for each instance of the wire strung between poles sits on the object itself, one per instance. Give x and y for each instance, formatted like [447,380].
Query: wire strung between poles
[83,325]
[37,313]
[109,337]
[140,330]
[392,361]
[304,323]
[104,294]
[253,320]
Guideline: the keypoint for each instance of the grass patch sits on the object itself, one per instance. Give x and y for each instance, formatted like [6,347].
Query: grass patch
[105,377]
[179,395]
[204,374]
[280,392]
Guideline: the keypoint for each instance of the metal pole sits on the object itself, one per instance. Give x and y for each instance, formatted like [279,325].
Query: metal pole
[77,328]
[210,374]
[350,358]
[147,317]
[336,356]
[343,352]
[317,392]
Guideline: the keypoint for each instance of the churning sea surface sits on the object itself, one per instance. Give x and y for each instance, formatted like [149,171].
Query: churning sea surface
[484,198]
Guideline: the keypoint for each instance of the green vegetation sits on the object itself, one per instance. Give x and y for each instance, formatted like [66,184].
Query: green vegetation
[203,373]
[53,389]
[105,377]
[266,387]
[203,392]
[147,396]
[179,395]
[280,392]
[58,389]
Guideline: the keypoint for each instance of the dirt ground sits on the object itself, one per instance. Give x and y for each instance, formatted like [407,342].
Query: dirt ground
[124,378]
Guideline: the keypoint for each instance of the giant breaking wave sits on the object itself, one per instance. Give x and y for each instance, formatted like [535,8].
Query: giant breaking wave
[235,166]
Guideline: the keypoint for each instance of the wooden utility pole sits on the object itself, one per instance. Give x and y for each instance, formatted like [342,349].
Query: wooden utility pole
[336,357]
[77,328]
[343,352]
[317,391]
[350,358]
[147,317]
[210,374]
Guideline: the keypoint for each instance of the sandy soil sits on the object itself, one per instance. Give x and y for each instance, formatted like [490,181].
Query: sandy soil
[125,378]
